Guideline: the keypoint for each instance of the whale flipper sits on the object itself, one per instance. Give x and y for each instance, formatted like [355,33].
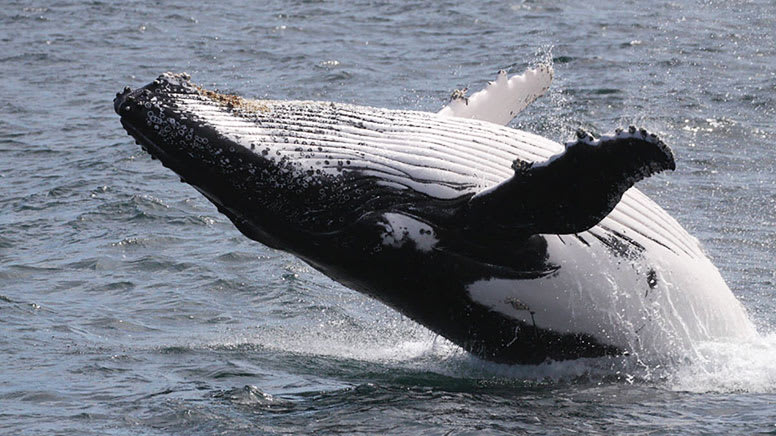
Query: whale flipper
[502,99]
[574,190]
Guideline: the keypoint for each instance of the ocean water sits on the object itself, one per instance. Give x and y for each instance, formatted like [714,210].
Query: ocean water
[129,306]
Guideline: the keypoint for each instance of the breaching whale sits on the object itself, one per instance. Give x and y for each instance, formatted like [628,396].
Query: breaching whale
[512,246]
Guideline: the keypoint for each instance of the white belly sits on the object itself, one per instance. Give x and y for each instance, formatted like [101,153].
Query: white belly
[610,297]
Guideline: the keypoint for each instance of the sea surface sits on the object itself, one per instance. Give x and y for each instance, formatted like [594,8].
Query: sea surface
[130,306]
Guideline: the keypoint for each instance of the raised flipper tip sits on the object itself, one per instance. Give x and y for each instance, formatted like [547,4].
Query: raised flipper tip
[576,189]
[503,98]
[643,145]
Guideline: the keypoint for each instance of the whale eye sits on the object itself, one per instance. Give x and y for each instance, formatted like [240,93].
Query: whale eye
[652,279]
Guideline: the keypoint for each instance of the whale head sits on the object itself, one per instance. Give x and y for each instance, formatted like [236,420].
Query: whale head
[182,125]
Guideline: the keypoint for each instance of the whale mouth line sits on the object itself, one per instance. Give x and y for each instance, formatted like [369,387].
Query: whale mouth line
[195,178]
[156,152]
[146,144]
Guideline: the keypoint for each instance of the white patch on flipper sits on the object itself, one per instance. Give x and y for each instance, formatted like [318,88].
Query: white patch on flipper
[401,228]
[503,99]
[588,139]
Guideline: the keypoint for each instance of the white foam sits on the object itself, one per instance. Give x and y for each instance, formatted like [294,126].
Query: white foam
[387,339]
[729,366]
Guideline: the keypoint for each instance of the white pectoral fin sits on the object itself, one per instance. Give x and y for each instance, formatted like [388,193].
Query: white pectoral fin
[502,99]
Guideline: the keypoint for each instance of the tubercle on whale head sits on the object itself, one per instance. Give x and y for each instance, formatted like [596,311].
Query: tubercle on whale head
[180,83]
[173,135]
[165,119]
[127,100]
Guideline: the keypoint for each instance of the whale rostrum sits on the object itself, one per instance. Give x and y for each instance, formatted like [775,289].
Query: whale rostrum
[514,247]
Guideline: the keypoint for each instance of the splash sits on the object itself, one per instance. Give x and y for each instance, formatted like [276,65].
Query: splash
[730,367]
[398,345]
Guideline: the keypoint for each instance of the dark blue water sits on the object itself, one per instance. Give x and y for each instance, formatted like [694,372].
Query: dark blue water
[128,305]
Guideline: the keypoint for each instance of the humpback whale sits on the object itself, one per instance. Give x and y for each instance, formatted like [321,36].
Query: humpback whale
[512,246]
